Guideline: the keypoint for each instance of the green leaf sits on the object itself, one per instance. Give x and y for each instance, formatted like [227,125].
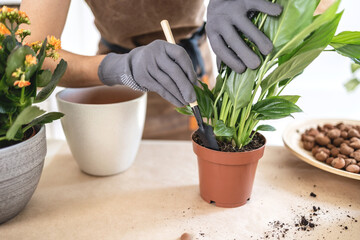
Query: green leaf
[9,44]
[355,67]
[347,50]
[218,85]
[25,117]
[46,118]
[262,117]
[291,98]
[290,69]
[205,102]
[347,38]
[275,107]
[43,78]
[320,38]
[239,87]
[319,20]
[296,15]
[42,54]
[265,128]
[294,63]
[221,130]
[17,60]
[207,90]
[6,108]
[352,84]
[186,110]
[46,91]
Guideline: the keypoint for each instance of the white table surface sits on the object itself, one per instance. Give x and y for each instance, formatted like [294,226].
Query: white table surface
[158,198]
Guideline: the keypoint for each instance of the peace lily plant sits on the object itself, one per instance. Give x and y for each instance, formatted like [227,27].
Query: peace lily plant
[21,74]
[238,102]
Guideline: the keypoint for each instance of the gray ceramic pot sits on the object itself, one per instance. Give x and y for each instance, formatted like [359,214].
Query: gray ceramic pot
[20,170]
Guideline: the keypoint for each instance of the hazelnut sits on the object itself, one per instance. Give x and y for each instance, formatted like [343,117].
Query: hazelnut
[353,168]
[354,139]
[315,150]
[355,144]
[344,134]
[338,141]
[303,137]
[185,236]
[338,163]
[334,133]
[335,152]
[322,139]
[308,145]
[340,125]
[347,127]
[312,132]
[353,133]
[328,126]
[348,161]
[345,149]
[341,156]
[308,138]
[356,156]
[329,160]
[327,151]
[330,146]
[321,156]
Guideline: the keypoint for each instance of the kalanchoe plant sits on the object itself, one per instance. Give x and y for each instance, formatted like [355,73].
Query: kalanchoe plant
[21,74]
[238,102]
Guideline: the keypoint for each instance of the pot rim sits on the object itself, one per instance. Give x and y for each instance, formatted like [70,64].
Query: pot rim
[59,99]
[216,151]
[17,145]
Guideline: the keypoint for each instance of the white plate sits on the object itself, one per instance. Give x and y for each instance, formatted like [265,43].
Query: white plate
[292,140]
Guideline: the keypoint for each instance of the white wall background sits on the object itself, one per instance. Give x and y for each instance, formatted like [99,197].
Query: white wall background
[321,85]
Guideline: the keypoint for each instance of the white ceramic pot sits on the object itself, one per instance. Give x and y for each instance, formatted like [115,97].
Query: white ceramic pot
[103,126]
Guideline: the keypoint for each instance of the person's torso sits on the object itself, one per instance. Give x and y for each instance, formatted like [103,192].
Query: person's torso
[131,23]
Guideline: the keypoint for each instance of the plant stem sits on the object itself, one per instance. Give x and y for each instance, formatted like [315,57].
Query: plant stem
[247,109]
[218,98]
[227,110]
[10,119]
[22,96]
[3,138]
[224,106]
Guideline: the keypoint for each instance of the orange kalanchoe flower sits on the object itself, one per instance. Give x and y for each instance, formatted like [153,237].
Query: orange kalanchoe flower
[22,83]
[56,43]
[6,9]
[19,31]
[30,60]
[4,30]
[23,14]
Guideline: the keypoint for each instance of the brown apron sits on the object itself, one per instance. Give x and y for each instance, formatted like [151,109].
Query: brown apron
[130,24]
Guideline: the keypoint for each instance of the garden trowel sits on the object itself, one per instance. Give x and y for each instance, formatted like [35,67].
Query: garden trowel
[205,132]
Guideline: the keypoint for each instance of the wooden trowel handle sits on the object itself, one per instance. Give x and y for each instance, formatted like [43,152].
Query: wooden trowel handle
[167,31]
[170,39]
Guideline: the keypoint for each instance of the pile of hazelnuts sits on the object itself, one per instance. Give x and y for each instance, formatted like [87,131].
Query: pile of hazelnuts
[337,145]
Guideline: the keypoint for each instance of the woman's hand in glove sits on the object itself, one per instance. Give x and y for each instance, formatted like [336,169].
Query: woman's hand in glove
[159,67]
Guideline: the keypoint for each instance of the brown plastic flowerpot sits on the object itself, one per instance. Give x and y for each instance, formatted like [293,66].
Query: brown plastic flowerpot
[226,178]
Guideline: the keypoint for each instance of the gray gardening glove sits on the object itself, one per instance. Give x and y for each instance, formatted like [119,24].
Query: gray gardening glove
[225,18]
[160,67]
